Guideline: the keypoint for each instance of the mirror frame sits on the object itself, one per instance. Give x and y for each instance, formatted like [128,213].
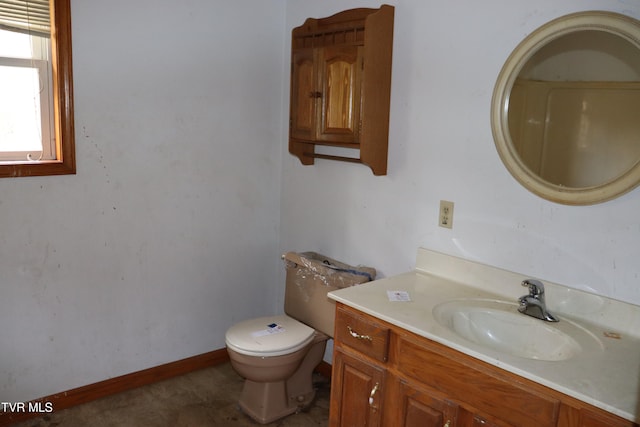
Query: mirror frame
[611,22]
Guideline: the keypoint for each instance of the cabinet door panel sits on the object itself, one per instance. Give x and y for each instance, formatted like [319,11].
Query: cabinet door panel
[356,392]
[465,380]
[421,408]
[340,69]
[304,95]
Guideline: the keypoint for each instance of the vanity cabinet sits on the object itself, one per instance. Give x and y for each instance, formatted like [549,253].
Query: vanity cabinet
[384,375]
[340,86]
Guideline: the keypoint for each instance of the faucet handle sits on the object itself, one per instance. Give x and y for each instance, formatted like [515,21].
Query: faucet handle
[536,288]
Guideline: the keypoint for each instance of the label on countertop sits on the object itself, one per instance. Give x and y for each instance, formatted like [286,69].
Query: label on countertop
[402,296]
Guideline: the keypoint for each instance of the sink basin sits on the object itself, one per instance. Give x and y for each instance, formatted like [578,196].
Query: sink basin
[499,326]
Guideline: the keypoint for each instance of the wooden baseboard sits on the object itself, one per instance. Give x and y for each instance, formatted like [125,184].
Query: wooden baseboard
[88,393]
[84,394]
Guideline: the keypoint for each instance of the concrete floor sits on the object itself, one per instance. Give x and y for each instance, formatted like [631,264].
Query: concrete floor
[203,398]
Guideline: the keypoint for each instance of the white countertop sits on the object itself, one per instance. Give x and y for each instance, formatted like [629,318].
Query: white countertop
[607,377]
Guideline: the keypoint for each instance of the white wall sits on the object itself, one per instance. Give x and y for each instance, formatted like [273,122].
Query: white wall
[168,234]
[447,56]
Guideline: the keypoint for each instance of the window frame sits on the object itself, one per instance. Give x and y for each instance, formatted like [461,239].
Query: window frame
[61,65]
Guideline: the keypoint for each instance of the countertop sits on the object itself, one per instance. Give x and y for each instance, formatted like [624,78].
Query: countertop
[607,377]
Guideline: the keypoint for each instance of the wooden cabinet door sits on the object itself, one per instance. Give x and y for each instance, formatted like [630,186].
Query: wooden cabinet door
[421,408]
[340,81]
[357,391]
[304,95]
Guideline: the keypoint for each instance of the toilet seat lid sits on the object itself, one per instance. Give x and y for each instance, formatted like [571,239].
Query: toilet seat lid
[269,336]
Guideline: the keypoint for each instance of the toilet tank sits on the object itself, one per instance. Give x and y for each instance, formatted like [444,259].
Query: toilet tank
[310,276]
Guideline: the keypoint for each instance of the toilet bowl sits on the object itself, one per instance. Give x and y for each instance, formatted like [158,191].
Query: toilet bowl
[276,355]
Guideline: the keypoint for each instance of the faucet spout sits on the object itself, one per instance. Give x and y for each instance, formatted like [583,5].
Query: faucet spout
[533,304]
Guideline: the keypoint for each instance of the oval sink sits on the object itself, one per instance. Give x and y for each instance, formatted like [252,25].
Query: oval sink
[499,326]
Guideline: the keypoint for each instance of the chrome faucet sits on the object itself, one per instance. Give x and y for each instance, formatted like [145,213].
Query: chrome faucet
[533,304]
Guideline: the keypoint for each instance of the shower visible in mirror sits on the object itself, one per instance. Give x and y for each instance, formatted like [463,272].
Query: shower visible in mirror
[566,109]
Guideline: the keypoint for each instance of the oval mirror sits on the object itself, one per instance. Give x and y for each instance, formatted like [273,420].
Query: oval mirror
[565,113]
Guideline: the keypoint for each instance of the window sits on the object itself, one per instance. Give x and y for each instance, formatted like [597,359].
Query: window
[36,106]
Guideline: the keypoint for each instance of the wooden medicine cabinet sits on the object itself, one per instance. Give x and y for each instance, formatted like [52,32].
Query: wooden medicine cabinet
[341,86]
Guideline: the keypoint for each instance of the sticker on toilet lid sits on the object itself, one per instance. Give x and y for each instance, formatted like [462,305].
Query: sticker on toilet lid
[272,328]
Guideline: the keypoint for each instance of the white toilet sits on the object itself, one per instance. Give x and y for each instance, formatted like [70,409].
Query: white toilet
[277,354]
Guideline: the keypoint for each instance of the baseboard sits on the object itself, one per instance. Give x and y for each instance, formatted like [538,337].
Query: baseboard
[88,393]
[84,394]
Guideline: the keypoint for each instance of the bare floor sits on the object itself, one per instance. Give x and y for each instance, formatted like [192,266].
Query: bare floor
[203,398]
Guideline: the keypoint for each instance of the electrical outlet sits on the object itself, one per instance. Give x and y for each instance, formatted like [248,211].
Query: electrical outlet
[445,218]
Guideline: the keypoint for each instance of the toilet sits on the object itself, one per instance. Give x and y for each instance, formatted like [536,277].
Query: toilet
[276,355]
